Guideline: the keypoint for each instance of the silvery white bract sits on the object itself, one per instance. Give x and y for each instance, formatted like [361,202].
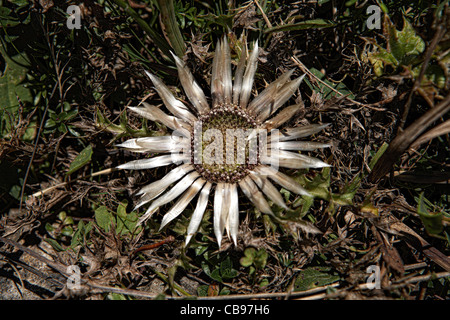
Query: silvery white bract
[202,130]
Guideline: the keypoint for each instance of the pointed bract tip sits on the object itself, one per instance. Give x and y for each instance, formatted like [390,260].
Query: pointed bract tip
[150,75]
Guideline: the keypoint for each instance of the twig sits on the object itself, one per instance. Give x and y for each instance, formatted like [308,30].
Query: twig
[58,267]
[369,286]
[154,245]
[38,134]
[270,295]
[42,192]
[263,14]
[59,74]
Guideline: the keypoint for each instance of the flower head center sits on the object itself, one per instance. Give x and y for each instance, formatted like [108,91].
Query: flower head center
[221,148]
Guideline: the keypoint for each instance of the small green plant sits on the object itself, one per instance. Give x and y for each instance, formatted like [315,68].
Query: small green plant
[59,121]
[314,277]
[403,52]
[255,259]
[435,222]
[222,271]
[123,222]
[403,49]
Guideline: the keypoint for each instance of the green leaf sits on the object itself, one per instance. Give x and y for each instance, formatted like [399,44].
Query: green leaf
[215,275]
[432,221]
[171,28]
[378,155]
[55,244]
[260,260]
[126,222]
[104,123]
[381,58]
[226,269]
[326,92]
[78,236]
[249,255]
[224,291]
[309,24]
[404,48]
[405,44]
[202,290]
[264,283]
[83,158]
[246,261]
[314,277]
[67,231]
[12,88]
[104,218]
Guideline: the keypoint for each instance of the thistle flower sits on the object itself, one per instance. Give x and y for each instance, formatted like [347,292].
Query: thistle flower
[255,148]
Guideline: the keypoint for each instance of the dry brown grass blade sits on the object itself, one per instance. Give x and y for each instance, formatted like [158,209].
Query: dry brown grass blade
[404,140]
[437,177]
[439,130]
[421,244]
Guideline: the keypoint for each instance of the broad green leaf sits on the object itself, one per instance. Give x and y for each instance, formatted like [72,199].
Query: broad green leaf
[224,291]
[104,218]
[404,48]
[12,89]
[83,158]
[249,255]
[215,275]
[314,277]
[260,260]
[318,186]
[122,210]
[126,222]
[382,57]
[405,44]
[67,231]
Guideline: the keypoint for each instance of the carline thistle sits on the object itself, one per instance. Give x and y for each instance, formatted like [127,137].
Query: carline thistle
[234,142]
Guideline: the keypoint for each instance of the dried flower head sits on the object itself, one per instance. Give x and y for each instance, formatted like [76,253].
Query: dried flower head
[234,141]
